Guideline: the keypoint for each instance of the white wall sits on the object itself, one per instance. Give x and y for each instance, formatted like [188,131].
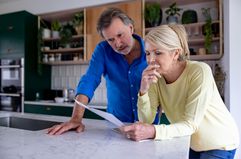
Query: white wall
[47,6]
[232,59]
[68,76]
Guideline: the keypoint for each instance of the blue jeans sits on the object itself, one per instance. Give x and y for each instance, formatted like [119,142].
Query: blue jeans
[212,154]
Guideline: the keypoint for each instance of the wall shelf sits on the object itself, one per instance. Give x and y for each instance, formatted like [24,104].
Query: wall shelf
[57,39]
[196,39]
[64,50]
[54,51]
[205,57]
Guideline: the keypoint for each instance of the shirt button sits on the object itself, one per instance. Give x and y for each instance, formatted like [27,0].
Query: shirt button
[132,98]
[134,110]
[129,72]
[131,85]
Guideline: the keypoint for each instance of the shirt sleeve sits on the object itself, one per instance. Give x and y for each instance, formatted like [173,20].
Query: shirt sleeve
[92,78]
[148,105]
[200,90]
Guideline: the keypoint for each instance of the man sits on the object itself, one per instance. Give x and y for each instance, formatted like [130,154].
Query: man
[121,60]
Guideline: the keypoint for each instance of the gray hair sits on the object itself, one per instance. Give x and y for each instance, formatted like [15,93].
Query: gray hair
[108,15]
[170,37]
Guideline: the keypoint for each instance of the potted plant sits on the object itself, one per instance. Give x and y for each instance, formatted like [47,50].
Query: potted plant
[207,29]
[173,12]
[66,35]
[153,14]
[189,16]
[78,22]
[55,27]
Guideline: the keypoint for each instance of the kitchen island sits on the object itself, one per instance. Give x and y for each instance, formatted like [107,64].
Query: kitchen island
[97,141]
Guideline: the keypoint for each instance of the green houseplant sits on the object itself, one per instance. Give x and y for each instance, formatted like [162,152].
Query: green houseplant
[78,22]
[153,14]
[55,27]
[207,29]
[173,12]
[66,35]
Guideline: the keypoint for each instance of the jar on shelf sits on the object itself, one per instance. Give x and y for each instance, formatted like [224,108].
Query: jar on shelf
[51,57]
[45,58]
[46,33]
[202,51]
[58,57]
[76,57]
[214,13]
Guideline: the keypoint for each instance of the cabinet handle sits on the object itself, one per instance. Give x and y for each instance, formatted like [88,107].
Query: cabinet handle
[48,108]
[9,50]
[10,28]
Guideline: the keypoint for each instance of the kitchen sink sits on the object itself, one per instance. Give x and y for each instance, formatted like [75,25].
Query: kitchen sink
[26,123]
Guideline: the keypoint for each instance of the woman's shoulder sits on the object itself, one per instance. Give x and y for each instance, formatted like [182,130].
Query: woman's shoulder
[198,66]
[200,71]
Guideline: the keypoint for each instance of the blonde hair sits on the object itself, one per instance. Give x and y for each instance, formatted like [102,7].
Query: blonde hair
[170,37]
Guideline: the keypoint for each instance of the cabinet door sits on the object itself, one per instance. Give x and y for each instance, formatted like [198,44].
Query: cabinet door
[50,110]
[56,110]
[12,35]
[133,9]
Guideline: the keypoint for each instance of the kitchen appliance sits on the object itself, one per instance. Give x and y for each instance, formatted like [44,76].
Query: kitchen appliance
[11,84]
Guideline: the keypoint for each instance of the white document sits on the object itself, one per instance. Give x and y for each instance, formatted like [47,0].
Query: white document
[110,117]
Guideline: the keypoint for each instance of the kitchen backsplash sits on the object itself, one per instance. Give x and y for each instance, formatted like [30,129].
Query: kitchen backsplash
[69,76]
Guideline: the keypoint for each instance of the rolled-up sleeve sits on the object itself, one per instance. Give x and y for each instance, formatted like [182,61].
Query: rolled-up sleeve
[92,78]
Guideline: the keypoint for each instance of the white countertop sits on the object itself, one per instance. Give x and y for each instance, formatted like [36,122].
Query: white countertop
[65,104]
[98,141]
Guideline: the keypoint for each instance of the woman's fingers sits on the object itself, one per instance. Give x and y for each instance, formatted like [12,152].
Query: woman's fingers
[157,74]
[151,70]
[149,75]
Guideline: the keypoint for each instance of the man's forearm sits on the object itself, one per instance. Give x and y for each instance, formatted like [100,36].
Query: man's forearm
[78,111]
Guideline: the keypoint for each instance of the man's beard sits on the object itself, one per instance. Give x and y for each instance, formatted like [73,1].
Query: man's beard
[126,52]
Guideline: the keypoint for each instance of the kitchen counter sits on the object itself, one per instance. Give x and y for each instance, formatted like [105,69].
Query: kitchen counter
[97,141]
[65,104]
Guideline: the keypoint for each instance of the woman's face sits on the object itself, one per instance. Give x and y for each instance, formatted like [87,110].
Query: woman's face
[159,56]
[119,36]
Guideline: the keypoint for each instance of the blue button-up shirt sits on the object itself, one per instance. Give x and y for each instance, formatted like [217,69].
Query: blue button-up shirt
[122,79]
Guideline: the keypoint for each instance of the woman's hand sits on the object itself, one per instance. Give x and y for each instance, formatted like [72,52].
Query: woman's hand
[139,131]
[149,76]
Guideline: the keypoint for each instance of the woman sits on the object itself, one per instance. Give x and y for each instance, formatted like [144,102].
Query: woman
[186,91]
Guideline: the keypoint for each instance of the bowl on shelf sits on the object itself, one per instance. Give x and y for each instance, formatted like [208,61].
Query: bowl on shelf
[59,99]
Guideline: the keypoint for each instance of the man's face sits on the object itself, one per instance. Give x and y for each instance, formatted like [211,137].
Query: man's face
[119,36]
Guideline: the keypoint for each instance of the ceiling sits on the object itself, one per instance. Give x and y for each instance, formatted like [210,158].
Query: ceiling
[7,1]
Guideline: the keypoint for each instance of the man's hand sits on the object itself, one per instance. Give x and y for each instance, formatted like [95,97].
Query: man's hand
[139,131]
[63,127]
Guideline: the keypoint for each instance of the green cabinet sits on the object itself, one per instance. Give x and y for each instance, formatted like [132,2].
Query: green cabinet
[18,39]
[14,31]
[56,110]
[49,110]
